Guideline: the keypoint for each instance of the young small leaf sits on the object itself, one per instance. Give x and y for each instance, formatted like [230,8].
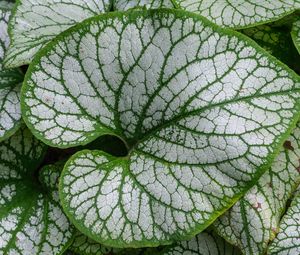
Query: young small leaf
[31,219]
[202,110]
[287,241]
[35,23]
[240,13]
[205,243]
[10,79]
[253,221]
[296,34]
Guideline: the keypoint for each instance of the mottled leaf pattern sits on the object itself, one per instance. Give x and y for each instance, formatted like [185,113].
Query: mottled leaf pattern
[206,243]
[240,13]
[287,241]
[128,4]
[86,246]
[6,4]
[36,22]
[253,221]
[296,34]
[31,220]
[10,110]
[201,128]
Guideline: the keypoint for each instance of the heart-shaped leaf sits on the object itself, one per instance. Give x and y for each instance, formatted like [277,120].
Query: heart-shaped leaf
[287,241]
[241,13]
[203,111]
[10,79]
[205,243]
[31,219]
[296,34]
[35,23]
[253,221]
[150,4]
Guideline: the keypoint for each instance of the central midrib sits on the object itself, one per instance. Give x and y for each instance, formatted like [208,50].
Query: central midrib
[133,143]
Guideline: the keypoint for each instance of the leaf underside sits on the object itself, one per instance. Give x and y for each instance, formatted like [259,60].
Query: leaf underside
[287,241]
[31,219]
[240,13]
[254,220]
[10,79]
[197,140]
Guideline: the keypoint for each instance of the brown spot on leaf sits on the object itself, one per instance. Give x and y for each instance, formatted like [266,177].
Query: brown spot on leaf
[288,145]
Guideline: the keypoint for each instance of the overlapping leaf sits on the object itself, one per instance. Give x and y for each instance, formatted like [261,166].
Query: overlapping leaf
[276,40]
[10,110]
[206,243]
[296,34]
[241,13]
[253,221]
[128,4]
[34,23]
[85,246]
[287,241]
[31,220]
[203,111]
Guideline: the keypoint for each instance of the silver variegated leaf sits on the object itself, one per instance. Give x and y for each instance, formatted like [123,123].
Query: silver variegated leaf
[206,243]
[287,241]
[31,219]
[241,13]
[10,79]
[202,122]
[150,4]
[86,246]
[254,220]
[35,22]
